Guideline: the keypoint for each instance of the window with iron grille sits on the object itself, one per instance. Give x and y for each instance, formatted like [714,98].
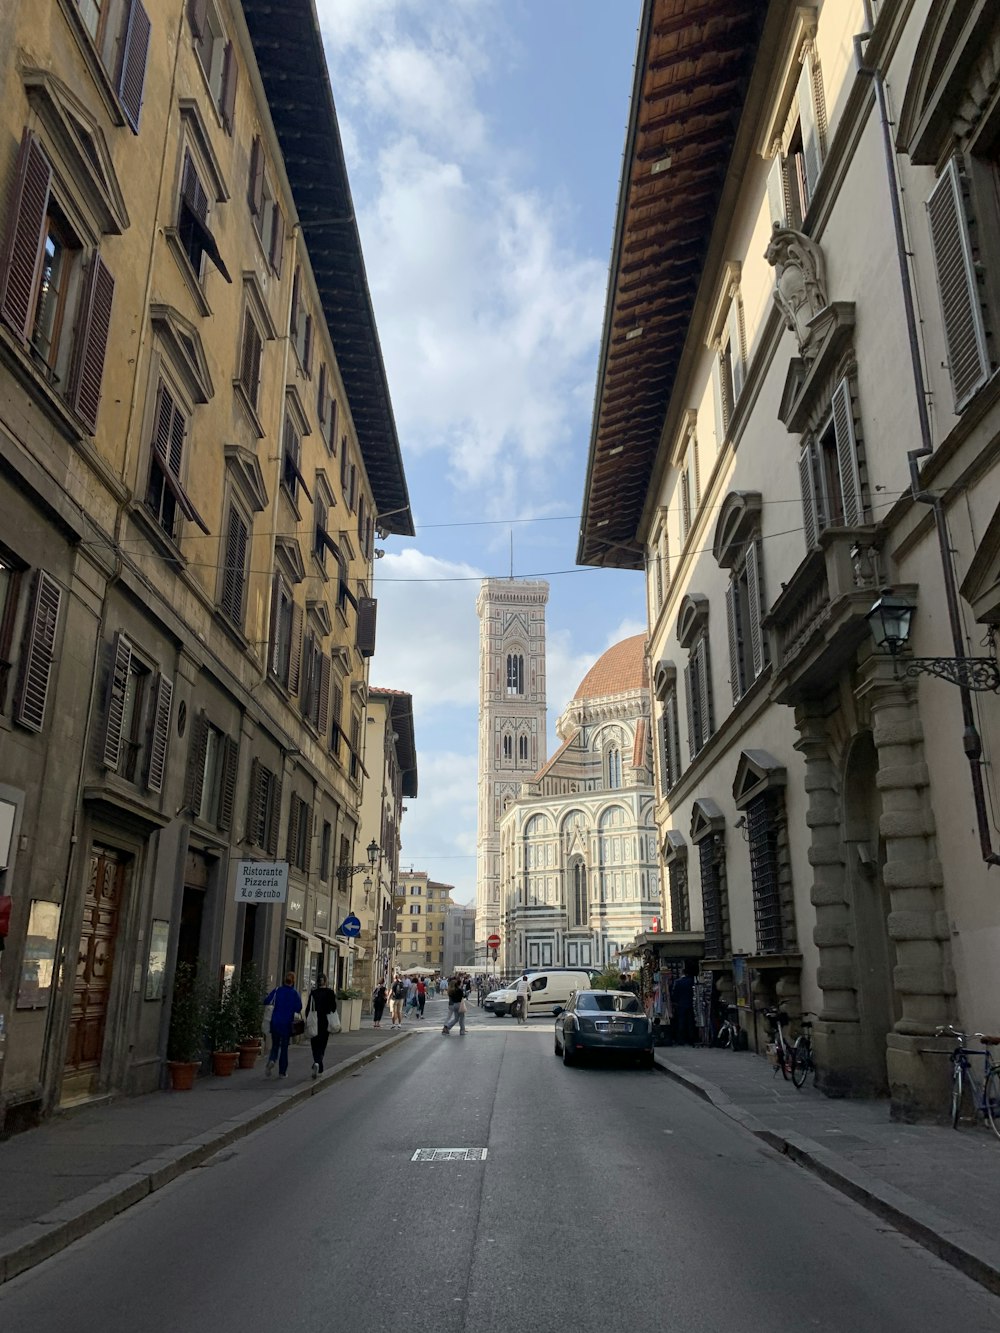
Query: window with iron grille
[680,904]
[762,830]
[711,898]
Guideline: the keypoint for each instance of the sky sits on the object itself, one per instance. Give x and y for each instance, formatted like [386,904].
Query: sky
[484,141]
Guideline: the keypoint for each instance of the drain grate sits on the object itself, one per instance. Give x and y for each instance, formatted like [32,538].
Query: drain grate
[449,1155]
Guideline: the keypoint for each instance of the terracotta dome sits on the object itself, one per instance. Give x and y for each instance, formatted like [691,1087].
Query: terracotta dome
[621,668]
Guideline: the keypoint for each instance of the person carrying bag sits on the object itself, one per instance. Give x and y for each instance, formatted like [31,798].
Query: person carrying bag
[285,1004]
[322,1007]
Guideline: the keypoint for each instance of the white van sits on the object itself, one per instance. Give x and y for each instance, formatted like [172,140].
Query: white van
[548,991]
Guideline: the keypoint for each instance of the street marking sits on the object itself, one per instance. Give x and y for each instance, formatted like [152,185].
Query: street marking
[449,1155]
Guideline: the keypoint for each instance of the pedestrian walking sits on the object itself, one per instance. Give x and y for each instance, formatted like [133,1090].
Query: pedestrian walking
[523,991]
[287,1004]
[421,996]
[379,998]
[324,1001]
[396,997]
[456,1007]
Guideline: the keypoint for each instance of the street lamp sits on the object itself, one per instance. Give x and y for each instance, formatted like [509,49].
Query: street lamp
[889,622]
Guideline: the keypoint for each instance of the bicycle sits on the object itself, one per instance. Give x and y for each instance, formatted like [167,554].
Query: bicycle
[782,1050]
[985,1095]
[802,1055]
[730,1036]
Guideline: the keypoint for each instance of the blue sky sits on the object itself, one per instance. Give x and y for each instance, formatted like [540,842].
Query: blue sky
[484,141]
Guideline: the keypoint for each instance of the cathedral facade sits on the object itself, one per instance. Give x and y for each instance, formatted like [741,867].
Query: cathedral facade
[578,869]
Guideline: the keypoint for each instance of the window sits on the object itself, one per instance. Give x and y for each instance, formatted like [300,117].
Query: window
[210,783]
[800,149]
[315,684]
[217,57]
[578,895]
[235,565]
[355,748]
[291,474]
[414,927]
[709,858]
[326,844]
[323,543]
[959,283]
[414,909]
[299,850]
[166,498]
[698,689]
[747,647]
[508,746]
[515,673]
[659,557]
[730,366]
[38,652]
[670,741]
[337,710]
[301,330]
[680,906]
[195,236]
[120,32]
[11,575]
[522,749]
[326,409]
[762,835]
[268,219]
[286,635]
[829,471]
[251,354]
[614,767]
[415,889]
[263,808]
[53,297]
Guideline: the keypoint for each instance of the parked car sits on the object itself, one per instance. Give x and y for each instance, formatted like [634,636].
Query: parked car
[604,1020]
[548,990]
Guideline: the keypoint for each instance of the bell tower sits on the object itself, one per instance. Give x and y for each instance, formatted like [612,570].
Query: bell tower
[511,721]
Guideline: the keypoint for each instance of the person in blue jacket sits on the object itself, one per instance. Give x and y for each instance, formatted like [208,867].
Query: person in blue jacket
[287,1003]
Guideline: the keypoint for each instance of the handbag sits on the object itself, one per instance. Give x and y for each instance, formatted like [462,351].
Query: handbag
[461,1007]
[311,1023]
[265,1025]
[333,1021]
[298,1025]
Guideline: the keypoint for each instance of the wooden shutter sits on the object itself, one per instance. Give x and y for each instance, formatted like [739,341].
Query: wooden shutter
[777,192]
[733,624]
[227,785]
[23,246]
[293,330]
[230,76]
[255,185]
[323,704]
[294,819]
[197,16]
[847,454]
[234,567]
[163,695]
[132,75]
[39,651]
[704,690]
[277,589]
[367,607]
[121,664]
[958,287]
[756,606]
[91,343]
[691,707]
[321,396]
[253,347]
[810,501]
[673,736]
[295,649]
[195,777]
[307,343]
[808,124]
[337,708]
[277,241]
[685,504]
[255,813]
[273,814]
[735,329]
[720,407]
[307,841]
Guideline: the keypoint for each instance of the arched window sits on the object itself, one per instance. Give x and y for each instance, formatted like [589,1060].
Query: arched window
[614,769]
[515,673]
[508,745]
[578,894]
[522,748]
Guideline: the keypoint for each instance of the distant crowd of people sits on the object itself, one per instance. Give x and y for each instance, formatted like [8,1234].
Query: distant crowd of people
[407,995]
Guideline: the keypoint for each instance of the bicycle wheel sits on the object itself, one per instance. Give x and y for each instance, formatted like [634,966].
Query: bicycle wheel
[802,1061]
[725,1037]
[785,1059]
[991,1096]
[957,1084]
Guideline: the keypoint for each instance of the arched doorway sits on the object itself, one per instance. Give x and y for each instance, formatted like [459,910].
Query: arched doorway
[874,952]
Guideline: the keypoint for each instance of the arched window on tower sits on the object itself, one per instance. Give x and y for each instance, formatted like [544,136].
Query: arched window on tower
[614,769]
[515,673]
[508,746]
[578,894]
[522,748]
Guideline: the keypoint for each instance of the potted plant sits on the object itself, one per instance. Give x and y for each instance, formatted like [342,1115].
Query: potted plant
[224,1029]
[250,999]
[185,1041]
[349,1007]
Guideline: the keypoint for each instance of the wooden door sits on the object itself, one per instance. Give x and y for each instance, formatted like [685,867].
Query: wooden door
[95,962]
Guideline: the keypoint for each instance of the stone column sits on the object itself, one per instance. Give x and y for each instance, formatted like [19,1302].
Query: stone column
[840,1054]
[923,977]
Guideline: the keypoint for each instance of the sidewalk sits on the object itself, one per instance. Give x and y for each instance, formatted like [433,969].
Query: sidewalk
[78,1170]
[937,1185]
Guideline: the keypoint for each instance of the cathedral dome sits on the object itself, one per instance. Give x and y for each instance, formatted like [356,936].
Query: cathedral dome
[620,669]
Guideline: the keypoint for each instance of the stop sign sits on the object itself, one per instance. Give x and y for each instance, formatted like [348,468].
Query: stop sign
[493,942]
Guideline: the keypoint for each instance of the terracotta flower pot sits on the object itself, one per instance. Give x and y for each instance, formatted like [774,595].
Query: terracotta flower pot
[249,1051]
[224,1062]
[183,1074]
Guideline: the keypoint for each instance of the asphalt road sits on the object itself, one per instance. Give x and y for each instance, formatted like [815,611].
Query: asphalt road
[610,1199]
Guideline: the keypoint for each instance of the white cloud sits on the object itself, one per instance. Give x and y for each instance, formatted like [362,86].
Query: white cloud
[439,827]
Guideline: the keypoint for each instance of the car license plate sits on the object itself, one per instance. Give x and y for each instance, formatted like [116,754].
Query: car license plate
[621,1027]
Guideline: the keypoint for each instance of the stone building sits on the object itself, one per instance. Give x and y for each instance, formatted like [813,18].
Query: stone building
[797,411]
[579,875]
[422,906]
[512,742]
[196,448]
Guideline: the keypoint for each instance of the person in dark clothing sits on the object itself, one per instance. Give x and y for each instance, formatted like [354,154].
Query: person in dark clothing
[287,1003]
[456,1007]
[324,1001]
[682,1000]
[421,996]
[627,984]
[380,997]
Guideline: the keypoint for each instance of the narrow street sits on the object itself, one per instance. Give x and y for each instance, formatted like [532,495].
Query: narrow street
[609,1198]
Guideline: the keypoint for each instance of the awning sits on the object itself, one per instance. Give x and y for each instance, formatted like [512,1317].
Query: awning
[312,940]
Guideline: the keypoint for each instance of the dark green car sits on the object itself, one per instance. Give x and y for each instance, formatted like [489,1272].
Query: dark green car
[611,1021]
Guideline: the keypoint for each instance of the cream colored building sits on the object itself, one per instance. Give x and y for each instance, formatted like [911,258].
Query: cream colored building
[798,408]
[579,874]
[422,906]
[196,450]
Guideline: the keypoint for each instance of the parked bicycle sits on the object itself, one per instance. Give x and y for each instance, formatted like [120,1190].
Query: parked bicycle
[731,1036]
[793,1058]
[984,1093]
[781,1047]
[802,1054]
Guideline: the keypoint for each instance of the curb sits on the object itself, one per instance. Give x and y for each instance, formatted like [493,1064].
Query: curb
[74,1218]
[957,1245]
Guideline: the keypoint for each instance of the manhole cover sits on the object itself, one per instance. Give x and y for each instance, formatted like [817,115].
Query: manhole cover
[449,1155]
